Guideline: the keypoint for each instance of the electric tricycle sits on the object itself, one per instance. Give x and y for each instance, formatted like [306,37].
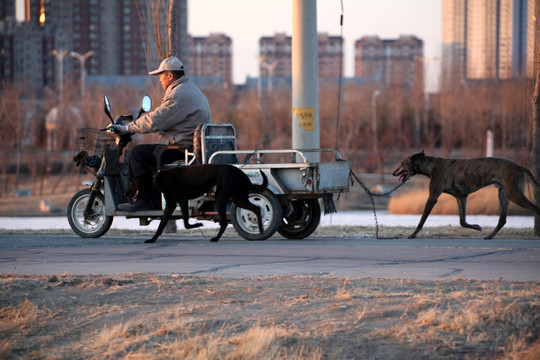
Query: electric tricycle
[291,204]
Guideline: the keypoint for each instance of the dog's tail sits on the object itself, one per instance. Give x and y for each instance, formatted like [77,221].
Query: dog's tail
[262,187]
[529,173]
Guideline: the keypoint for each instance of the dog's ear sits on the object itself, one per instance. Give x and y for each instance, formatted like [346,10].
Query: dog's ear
[418,155]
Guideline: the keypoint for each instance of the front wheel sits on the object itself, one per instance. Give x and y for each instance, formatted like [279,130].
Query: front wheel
[245,221]
[303,219]
[92,226]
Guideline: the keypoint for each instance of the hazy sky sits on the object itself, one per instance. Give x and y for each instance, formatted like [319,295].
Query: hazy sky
[245,21]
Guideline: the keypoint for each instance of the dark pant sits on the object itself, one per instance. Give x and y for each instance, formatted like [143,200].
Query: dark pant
[142,164]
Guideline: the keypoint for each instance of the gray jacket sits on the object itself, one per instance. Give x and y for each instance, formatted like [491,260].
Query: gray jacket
[183,107]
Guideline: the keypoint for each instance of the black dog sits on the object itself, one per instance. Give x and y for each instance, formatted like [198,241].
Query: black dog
[183,183]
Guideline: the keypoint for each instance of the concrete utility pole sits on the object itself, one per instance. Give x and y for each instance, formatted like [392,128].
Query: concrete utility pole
[82,59]
[305,78]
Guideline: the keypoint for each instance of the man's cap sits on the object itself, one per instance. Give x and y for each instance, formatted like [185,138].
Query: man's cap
[169,64]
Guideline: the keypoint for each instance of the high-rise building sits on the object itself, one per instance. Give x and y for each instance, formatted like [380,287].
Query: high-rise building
[25,48]
[114,32]
[7,9]
[6,56]
[275,51]
[514,16]
[120,34]
[275,55]
[33,62]
[482,41]
[454,29]
[390,62]
[210,58]
[487,39]
[330,59]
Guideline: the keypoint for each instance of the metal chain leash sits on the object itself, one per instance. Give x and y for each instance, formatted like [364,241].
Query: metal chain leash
[371,196]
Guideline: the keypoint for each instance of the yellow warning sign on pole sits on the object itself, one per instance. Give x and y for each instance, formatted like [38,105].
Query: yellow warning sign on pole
[306,116]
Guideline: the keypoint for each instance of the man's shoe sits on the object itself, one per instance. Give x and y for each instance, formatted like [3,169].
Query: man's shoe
[138,205]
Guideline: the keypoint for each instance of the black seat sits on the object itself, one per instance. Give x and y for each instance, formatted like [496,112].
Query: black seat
[218,137]
[207,139]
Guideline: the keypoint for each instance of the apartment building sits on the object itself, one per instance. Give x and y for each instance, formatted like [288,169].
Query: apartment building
[391,62]
[275,53]
[211,58]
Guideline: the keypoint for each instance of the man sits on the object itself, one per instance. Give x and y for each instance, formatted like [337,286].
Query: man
[183,107]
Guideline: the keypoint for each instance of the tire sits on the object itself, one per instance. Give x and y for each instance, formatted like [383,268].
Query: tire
[245,221]
[303,220]
[93,227]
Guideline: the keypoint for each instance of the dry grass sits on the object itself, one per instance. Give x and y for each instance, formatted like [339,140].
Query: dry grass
[334,231]
[482,202]
[164,317]
[431,232]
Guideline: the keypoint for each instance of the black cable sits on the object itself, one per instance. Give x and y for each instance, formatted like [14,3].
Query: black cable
[340,74]
[371,196]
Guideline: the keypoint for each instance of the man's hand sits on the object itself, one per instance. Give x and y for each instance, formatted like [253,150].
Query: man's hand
[121,129]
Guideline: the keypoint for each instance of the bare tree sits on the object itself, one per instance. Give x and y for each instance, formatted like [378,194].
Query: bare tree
[536,126]
[162,15]
[171,25]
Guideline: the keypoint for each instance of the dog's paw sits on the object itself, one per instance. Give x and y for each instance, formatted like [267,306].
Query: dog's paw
[214,239]
[193,226]
[472,226]
[412,236]
[488,237]
[150,241]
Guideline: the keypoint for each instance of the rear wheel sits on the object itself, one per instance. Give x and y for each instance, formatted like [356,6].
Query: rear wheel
[302,221]
[245,222]
[92,226]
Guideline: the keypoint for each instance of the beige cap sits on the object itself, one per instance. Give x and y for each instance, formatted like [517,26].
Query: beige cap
[169,64]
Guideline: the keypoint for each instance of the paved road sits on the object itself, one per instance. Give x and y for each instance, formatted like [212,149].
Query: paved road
[436,259]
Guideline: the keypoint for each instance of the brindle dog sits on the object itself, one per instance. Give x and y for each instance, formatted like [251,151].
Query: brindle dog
[461,177]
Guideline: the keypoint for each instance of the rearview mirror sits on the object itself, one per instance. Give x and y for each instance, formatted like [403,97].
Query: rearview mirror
[107,107]
[146,103]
